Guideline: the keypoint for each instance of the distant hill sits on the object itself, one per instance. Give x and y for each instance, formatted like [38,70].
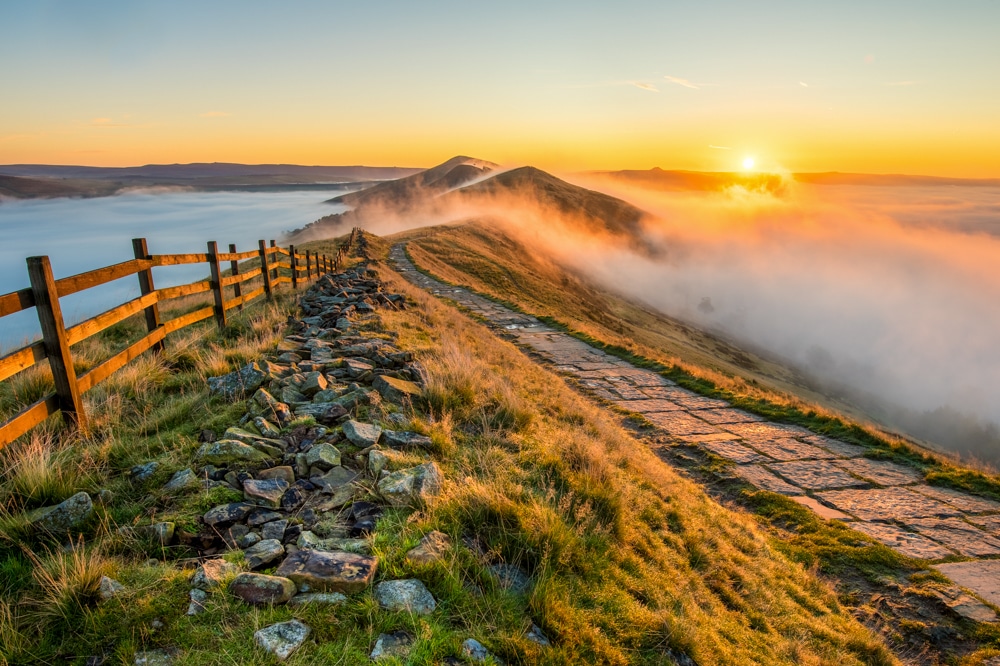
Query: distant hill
[454,173]
[34,188]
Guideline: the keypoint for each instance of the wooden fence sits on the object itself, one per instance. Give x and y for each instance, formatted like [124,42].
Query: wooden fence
[45,292]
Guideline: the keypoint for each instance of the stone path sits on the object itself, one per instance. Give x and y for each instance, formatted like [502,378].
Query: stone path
[882,499]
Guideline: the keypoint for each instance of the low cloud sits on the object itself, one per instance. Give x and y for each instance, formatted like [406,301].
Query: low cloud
[645,86]
[681,82]
[719,147]
[803,84]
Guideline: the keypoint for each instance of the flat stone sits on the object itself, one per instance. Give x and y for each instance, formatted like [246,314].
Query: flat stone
[182,480]
[734,451]
[229,451]
[958,499]
[958,534]
[398,391]
[432,548]
[786,449]
[265,492]
[680,423]
[764,479]
[336,478]
[965,605]
[310,540]
[727,416]
[409,595]
[238,384]
[815,474]
[212,573]
[251,438]
[313,383]
[981,577]
[274,530]
[820,510]
[882,472]
[839,448]
[393,644]
[197,603]
[412,486]
[326,413]
[162,533]
[282,639]
[405,440]
[329,572]
[64,517]
[266,428]
[319,598]
[766,430]
[647,405]
[144,471]
[377,461]
[261,516]
[323,455]
[283,472]
[261,590]
[362,434]
[907,543]
[886,504]
[263,553]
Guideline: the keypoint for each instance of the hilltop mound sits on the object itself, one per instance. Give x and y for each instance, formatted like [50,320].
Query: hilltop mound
[454,173]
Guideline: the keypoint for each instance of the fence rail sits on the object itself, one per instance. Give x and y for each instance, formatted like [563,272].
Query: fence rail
[57,340]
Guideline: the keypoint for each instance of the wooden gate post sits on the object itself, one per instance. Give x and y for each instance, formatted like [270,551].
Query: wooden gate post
[152,313]
[43,288]
[291,260]
[213,265]
[265,272]
[234,267]
[308,266]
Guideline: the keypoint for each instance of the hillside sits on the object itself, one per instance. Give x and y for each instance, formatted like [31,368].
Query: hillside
[420,186]
[32,188]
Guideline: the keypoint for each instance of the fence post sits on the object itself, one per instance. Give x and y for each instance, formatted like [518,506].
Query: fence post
[265,272]
[308,267]
[291,260]
[43,288]
[146,287]
[235,270]
[220,303]
[318,270]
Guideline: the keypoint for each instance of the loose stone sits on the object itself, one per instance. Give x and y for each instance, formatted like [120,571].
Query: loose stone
[405,440]
[263,553]
[476,652]
[282,639]
[265,492]
[398,391]
[227,513]
[64,517]
[109,588]
[329,572]
[411,486]
[212,573]
[431,549]
[197,604]
[181,480]
[261,590]
[393,644]
[228,451]
[324,456]
[236,384]
[284,472]
[408,595]
[362,434]
[328,598]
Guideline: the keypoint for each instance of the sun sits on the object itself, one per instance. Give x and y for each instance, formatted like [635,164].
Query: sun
[748,163]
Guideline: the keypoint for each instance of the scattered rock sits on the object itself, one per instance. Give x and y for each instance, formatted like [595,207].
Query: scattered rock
[227,513]
[263,553]
[198,598]
[398,391]
[377,461]
[329,572]
[282,639]
[328,598]
[182,480]
[274,530]
[536,635]
[229,451]
[212,573]
[261,590]
[109,588]
[284,472]
[162,533]
[431,549]
[335,478]
[144,471]
[411,486]
[313,384]
[362,434]
[104,497]
[408,595]
[261,516]
[154,658]
[393,644]
[405,440]
[511,577]
[324,456]
[265,492]
[476,652]
[65,516]
[237,384]
[310,540]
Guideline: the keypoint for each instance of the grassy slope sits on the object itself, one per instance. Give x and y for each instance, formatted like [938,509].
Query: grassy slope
[632,562]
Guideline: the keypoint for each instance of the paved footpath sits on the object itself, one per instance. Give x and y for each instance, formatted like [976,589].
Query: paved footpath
[882,499]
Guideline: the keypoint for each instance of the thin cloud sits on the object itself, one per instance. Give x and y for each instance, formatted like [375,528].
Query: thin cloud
[645,86]
[681,82]
[803,84]
[215,114]
[719,147]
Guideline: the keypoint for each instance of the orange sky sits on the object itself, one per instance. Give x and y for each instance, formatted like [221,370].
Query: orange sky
[901,87]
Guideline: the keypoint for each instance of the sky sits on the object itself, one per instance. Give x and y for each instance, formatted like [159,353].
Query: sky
[873,86]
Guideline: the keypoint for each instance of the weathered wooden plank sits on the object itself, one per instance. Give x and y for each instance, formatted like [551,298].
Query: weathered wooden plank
[43,286]
[265,269]
[85,329]
[240,278]
[74,283]
[178,259]
[284,279]
[16,301]
[21,359]
[152,312]
[240,300]
[281,264]
[95,376]
[28,419]
[178,323]
[184,290]
[233,255]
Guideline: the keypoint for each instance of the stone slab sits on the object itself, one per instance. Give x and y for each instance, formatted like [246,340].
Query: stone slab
[820,510]
[764,479]
[842,449]
[766,430]
[886,504]
[627,391]
[734,451]
[649,405]
[720,416]
[982,577]
[711,437]
[701,402]
[814,474]
[787,449]
[681,423]
[958,534]
[991,524]
[882,472]
[907,543]
[667,392]
[958,499]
